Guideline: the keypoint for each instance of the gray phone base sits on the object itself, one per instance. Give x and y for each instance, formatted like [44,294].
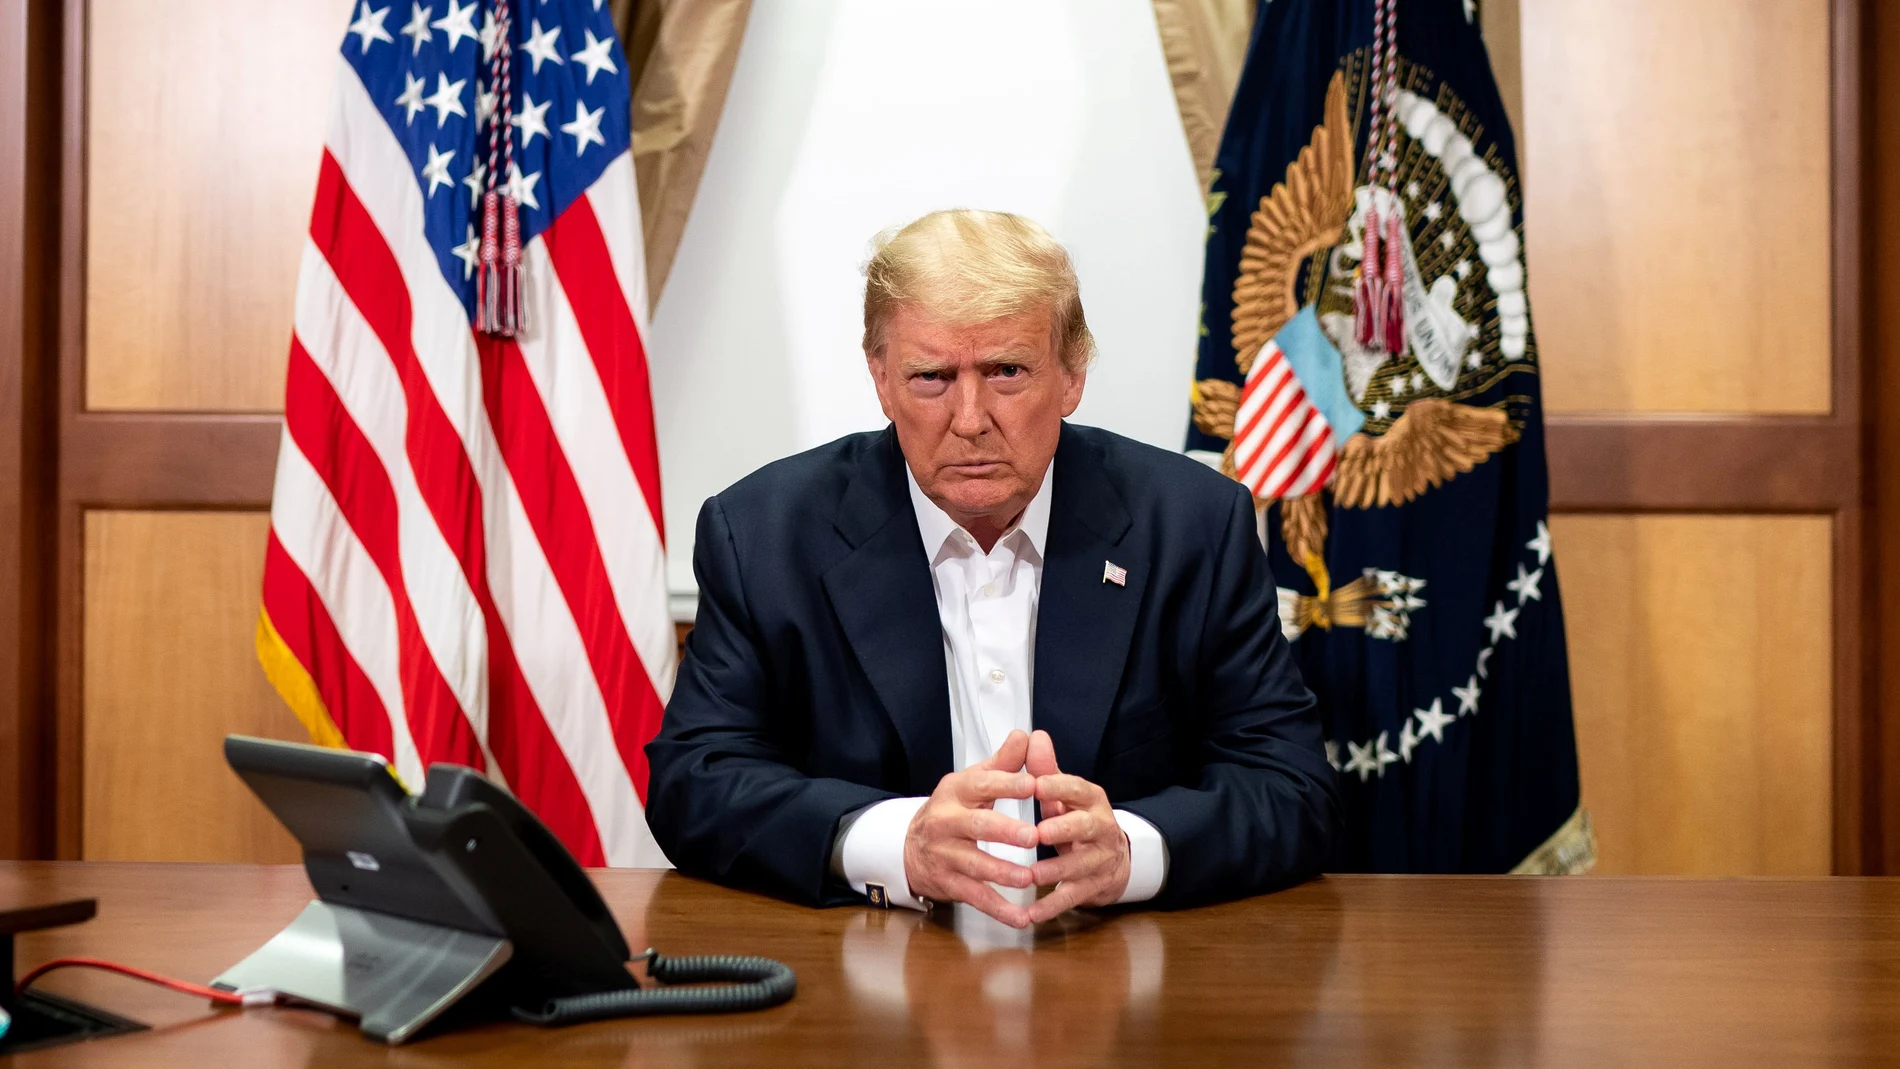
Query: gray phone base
[395,975]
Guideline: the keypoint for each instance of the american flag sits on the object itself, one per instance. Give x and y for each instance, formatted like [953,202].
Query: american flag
[466,559]
[1283,446]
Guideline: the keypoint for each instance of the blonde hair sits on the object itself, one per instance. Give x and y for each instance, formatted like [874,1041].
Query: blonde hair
[965,266]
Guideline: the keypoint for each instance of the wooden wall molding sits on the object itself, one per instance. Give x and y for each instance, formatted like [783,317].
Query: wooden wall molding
[1658,463]
[1695,463]
[167,460]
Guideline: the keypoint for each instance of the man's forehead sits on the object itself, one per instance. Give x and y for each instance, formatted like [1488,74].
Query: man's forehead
[1023,336]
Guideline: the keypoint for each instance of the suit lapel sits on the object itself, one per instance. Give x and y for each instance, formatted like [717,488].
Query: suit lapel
[884,599]
[1083,623]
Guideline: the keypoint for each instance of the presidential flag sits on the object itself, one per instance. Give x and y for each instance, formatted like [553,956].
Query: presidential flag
[1368,370]
[465,558]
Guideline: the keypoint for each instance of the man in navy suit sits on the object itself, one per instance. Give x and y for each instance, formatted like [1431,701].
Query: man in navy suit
[984,651]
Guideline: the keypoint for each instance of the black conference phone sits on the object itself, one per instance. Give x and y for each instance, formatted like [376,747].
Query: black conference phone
[451,906]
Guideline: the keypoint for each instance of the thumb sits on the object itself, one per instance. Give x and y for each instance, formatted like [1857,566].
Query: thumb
[1010,756]
[1041,759]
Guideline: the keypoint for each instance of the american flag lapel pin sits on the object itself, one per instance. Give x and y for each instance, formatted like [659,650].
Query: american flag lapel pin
[1114,573]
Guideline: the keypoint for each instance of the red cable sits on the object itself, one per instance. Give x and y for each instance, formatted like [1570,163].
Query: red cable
[228,998]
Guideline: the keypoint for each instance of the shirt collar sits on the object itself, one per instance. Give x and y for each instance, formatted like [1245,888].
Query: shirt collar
[937,528]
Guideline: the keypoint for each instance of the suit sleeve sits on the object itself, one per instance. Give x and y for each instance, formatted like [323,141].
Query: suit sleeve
[1265,807]
[724,799]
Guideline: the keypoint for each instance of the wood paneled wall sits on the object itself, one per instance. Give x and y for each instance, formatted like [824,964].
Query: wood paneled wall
[200,167]
[1676,203]
[1700,653]
[1678,178]
[186,309]
[171,605]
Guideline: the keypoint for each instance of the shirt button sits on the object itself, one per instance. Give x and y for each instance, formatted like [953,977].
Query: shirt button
[989,590]
[996,675]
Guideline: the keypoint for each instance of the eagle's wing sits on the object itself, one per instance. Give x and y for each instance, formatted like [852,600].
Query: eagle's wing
[1300,216]
[1433,441]
[1215,402]
[1303,529]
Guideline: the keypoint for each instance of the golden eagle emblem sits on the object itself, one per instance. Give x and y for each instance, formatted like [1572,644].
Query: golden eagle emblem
[1395,431]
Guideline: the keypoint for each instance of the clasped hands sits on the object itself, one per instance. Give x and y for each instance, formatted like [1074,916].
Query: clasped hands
[943,862]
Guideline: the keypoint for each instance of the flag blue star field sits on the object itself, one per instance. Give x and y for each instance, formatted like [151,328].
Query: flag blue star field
[1367,368]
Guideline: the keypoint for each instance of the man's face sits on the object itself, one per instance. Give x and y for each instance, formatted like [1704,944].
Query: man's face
[978,409]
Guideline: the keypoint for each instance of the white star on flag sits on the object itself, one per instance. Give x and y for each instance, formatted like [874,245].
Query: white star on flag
[418,28]
[447,99]
[1525,585]
[469,252]
[1541,544]
[540,45]
[532,118]
[490,35]
[458,23]
[369,26]
[1502,621]
[585,127]
[437,169]
[1484,659]
[411,98]
[477,180]
[1361,760]
[1382,753]
[595,57]
[484,104]
[522,189]
[1467,696]
[1408,739]
[1432,721]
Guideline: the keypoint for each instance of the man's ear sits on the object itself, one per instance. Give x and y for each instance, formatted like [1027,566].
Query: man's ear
[1072,383]
[880,380]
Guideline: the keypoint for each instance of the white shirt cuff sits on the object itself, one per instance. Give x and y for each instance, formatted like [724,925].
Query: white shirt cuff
[1147,857]
[874,849]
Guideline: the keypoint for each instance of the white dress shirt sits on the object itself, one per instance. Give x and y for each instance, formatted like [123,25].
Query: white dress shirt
[987,602]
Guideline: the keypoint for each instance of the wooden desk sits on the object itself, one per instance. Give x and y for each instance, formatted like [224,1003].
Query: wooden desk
[1345,971]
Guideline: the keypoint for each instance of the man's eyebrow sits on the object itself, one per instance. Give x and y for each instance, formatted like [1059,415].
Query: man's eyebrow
[918,365]
[1018,355]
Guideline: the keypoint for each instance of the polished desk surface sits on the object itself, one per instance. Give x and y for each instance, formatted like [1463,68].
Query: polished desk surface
[1357,970]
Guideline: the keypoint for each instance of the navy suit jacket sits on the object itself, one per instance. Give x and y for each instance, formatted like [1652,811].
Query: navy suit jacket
[814,681]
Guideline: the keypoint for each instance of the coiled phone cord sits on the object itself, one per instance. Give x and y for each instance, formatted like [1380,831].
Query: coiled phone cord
[752,984]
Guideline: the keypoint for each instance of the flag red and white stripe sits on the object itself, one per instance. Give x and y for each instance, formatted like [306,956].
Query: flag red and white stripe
[1283,446]
[466,558]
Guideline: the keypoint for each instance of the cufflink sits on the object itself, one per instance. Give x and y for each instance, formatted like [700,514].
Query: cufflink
[875,894]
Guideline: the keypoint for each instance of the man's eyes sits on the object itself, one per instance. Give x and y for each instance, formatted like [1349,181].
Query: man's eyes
[1006,371]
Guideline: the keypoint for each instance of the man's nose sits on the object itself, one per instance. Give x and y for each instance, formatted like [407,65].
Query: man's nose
[969,411]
